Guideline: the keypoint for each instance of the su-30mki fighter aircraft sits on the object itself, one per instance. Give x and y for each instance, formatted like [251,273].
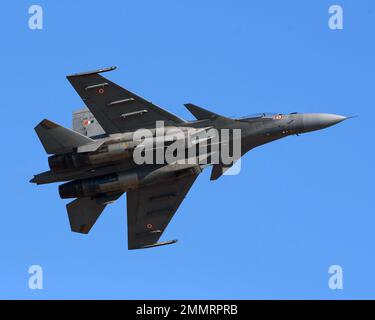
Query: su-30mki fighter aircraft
[101,158]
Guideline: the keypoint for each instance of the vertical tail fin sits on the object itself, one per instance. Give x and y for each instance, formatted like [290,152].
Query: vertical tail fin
[85,123]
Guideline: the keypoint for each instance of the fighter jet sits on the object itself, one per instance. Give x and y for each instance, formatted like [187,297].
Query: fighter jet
[96,160]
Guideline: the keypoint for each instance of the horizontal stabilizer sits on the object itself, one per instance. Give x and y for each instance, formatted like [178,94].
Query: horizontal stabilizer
[200,113]
[57,139]
[83,214]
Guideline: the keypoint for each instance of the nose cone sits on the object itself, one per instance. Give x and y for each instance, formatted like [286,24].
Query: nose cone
[317,121]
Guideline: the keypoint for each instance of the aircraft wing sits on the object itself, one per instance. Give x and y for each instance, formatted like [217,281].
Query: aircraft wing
[116,109]
[151,208]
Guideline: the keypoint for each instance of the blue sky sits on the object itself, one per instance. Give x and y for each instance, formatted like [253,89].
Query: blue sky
[298,206]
